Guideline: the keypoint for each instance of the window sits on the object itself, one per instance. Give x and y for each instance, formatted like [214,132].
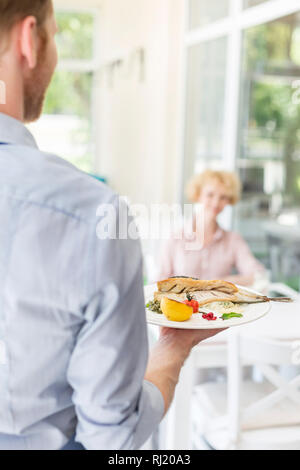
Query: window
[269,143]
[76,34]
[243,112]
[202,12]
[205,104]
[66,127]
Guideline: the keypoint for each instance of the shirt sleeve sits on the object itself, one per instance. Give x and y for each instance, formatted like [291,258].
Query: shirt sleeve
[245,263]
[115,407]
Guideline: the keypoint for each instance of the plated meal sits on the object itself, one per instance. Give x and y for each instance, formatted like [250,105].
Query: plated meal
[182,302]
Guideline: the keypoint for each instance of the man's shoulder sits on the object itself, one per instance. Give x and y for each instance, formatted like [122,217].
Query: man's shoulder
[50,181]
[75,191]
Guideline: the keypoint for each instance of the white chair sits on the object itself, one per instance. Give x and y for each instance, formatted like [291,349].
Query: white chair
[176,430]
[284,290]
[247,415]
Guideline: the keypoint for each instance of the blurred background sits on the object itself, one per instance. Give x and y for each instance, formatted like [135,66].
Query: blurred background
[147,93]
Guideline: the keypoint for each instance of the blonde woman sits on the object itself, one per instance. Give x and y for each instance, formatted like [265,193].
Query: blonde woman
[222,252]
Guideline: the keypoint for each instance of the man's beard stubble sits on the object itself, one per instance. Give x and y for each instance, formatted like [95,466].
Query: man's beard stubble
[35,86]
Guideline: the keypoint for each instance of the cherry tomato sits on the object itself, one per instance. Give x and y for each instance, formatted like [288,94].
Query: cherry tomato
[209,316]
[193,303]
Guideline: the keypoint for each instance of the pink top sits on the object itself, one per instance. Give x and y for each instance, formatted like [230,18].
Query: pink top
[217,260]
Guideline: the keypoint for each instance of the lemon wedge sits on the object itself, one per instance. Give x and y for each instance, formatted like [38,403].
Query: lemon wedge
[176,311]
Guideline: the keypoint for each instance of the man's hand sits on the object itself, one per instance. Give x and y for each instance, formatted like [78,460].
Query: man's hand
[168,357]
[185,340]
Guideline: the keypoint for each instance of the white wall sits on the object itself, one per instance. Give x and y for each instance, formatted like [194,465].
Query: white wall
[138,130]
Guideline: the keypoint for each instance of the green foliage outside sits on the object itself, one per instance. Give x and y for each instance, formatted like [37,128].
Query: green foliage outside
[70,93]
[271,65]
[75,35]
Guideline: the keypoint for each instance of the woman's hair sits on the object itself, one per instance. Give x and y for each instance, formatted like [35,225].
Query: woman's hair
[230,180]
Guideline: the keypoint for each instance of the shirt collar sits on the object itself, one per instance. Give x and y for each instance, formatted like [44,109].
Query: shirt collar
[219,234]
[13,131]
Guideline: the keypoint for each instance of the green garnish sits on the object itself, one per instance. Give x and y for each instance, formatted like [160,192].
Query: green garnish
[154,306]
[228,316]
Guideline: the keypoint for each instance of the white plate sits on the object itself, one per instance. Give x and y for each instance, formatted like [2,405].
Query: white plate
[252,313]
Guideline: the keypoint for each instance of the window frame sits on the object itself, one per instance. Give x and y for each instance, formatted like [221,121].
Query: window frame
[232,27]
[92,66]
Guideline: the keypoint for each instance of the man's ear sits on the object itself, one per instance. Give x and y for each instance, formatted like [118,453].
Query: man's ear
[29,41]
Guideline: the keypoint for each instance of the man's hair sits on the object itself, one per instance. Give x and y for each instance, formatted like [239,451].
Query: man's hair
[12,11]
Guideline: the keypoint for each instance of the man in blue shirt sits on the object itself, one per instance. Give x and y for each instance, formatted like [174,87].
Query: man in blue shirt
[72,320]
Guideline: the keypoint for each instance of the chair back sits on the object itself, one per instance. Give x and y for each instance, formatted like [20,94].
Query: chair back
[268,356]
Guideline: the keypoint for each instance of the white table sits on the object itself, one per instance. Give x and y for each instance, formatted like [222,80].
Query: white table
[282,323]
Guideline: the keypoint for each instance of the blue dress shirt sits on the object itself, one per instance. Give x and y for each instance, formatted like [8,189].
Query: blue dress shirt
[72,319]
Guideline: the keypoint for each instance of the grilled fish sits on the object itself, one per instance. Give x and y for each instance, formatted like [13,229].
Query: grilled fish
[205,292]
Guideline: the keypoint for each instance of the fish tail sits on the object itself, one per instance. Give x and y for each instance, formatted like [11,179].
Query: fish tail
[280,299]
